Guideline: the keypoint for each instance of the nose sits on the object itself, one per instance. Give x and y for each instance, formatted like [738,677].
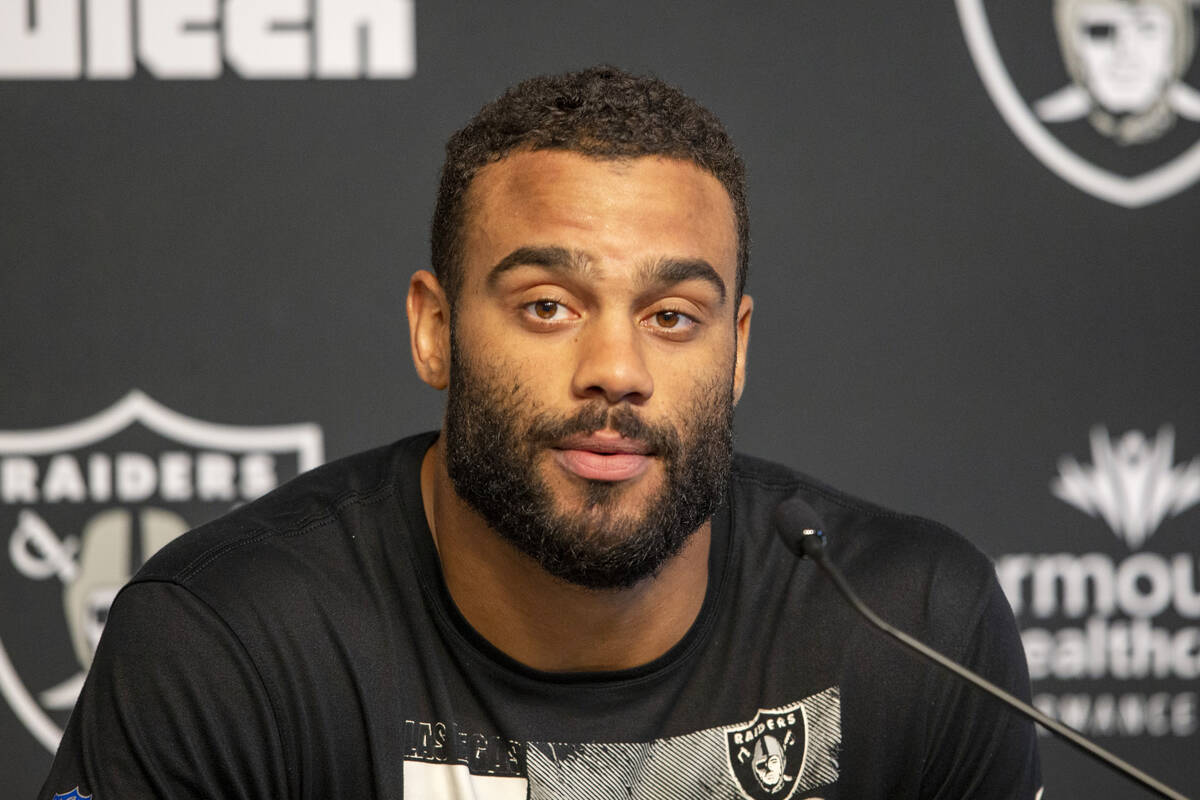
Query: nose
[610,363]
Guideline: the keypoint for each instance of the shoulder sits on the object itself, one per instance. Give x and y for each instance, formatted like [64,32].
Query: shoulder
[887,550]
[314,510]
[762,485]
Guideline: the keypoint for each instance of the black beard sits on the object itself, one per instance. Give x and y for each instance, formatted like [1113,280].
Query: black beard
[494,435]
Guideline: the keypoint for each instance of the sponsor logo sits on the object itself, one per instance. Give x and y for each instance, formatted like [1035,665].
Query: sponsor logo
[1116,635]
[1131,483]
[85,504]
[198,39]
[766,755]
[1124,70]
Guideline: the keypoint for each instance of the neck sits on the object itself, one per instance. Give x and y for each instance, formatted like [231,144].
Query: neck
[543,621]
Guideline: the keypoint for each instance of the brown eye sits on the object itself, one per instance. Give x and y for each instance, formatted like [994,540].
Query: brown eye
[667,319]
[546,309]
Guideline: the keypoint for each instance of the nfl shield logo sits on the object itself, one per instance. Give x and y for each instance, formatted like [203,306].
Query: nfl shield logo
[73,795]
[766,755]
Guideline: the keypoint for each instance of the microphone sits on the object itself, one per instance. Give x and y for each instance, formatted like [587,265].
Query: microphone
[801,531]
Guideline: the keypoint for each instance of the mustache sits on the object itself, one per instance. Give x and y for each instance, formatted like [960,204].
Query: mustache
[662,438]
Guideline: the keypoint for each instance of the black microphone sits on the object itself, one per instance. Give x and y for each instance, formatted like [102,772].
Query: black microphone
[802,533]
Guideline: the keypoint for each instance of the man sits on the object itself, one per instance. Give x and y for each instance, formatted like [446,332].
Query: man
[574,591]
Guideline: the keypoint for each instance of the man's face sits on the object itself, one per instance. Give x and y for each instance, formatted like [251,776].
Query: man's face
[596,357]
[769,762]
[1125,50]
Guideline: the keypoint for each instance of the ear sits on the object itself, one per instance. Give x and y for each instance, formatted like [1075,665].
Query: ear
[745,311]
[429,328]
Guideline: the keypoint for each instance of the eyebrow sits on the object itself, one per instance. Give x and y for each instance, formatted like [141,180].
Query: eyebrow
[558,259]
[670,271]
[660,272]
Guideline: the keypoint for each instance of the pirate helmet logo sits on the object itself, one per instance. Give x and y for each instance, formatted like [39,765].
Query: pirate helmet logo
[770,761]
[106,563]
[1127,64]
[767,754]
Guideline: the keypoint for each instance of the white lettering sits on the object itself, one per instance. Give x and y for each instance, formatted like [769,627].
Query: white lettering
[1132,714]
[187,38]
[136,477]
[64,480]
[109,39]
[264,38]
[214,477]
[376,38]
[1187,599]
[1011,572]
[1152,569]
[100,477]
[38,553]
[1039,647]
[1118,649]
[1185,653]
[258,475]
[1183,714]
[1151,650]
[1070,653]
[175,476]
[1158,720]
[1143,585]
[18,479]
[39,39]
[1074,574]
[178,40]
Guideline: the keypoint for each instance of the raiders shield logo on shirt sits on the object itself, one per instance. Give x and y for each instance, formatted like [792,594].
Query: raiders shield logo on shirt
[766,754]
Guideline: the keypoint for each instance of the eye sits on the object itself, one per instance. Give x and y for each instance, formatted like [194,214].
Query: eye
[672,321]
[547,310]
[668,319]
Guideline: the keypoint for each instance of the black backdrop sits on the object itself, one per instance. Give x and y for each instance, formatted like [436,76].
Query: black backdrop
[941,316]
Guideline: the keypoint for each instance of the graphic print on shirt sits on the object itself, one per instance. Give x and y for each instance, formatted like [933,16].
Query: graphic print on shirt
[767,754]
[787,750]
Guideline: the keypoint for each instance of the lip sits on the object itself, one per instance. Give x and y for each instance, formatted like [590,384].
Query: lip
[603,457]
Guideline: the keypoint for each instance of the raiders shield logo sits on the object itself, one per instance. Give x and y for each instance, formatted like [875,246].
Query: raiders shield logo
[1103,92]
[82,507]
[767,754]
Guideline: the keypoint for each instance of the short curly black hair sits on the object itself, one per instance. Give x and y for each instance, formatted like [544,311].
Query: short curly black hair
[602,112]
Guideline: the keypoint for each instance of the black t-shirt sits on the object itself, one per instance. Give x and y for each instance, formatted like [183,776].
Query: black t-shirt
[305,646]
